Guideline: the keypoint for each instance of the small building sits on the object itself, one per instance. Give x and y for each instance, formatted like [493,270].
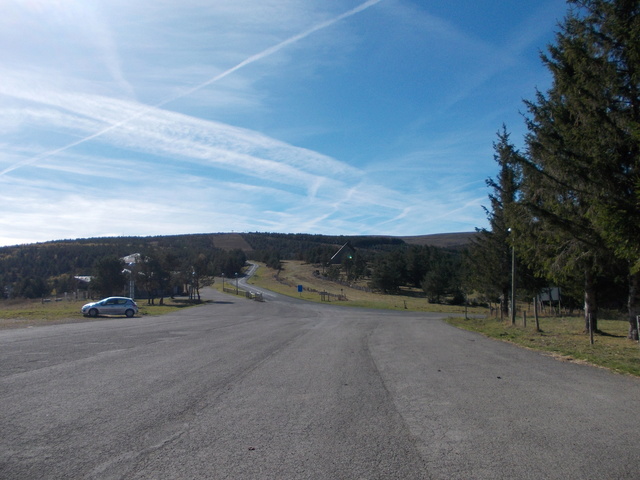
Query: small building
[346,251]
[132,259]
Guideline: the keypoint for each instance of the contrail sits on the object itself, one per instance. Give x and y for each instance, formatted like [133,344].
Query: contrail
[254,58]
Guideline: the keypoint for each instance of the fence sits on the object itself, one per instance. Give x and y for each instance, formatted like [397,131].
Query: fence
[257,296]
[68,297]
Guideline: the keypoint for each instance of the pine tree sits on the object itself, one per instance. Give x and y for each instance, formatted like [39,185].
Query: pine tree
[490,253]
[584,143]
[108,278]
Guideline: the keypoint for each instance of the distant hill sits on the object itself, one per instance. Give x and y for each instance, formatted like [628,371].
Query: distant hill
[446,240]
[248,242]
[34,270]
[244,241]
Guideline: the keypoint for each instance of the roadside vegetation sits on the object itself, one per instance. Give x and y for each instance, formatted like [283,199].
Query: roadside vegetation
[564,338]
[564,212]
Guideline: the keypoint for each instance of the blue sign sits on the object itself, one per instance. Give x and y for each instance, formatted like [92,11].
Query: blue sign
[300,288]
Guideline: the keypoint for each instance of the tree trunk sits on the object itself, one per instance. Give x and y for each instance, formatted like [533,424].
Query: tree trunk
[590,302]
[634,304]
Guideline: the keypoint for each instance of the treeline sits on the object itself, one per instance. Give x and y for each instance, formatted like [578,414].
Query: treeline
[271,248]
[437,271]
[185,263]
[163,264]
[567,208]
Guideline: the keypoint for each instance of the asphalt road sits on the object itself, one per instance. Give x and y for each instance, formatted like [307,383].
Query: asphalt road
[283,389]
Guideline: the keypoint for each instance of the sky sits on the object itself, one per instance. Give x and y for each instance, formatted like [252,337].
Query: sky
[337,117]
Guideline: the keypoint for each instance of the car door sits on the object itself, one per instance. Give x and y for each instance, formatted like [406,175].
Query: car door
[110,307]
[121,305]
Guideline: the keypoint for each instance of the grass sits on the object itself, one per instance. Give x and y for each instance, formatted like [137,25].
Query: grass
[296,273]
[21,313]
[565,338]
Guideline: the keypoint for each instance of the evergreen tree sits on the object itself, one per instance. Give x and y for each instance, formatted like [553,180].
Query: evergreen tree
[490,254]
[154,276]
[389,272]
[442,279]
[419,261]
[584,142]
[33,288]
[108,278]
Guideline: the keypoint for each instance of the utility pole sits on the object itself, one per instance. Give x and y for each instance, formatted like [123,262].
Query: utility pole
[513,279]
[513,285]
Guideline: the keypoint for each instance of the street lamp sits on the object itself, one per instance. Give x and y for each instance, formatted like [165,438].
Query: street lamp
[513,282]
[236,283]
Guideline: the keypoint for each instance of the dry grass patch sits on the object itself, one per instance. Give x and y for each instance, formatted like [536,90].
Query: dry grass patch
[565,339]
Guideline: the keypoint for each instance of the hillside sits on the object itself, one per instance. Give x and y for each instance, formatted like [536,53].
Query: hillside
[445,240]
[33,270]
[231,241]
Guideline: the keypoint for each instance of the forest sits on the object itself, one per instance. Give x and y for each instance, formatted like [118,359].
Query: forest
[160,265]
[166,264]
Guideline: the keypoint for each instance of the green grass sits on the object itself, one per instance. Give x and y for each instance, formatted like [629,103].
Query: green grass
[565,338]
[35,309]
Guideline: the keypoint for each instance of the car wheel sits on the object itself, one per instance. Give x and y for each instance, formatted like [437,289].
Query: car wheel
[93,312]
[129,313]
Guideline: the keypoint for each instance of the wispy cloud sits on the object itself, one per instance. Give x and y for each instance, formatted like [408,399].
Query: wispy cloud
[143,111]
[287,115]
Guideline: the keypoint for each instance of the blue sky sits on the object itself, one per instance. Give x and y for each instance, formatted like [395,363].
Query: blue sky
[159,117]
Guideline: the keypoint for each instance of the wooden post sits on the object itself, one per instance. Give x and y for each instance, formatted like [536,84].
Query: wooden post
[535,312]
[524,318]
[590,330]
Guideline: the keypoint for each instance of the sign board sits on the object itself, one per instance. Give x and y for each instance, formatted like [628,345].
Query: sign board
[299,288]
[551,294]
